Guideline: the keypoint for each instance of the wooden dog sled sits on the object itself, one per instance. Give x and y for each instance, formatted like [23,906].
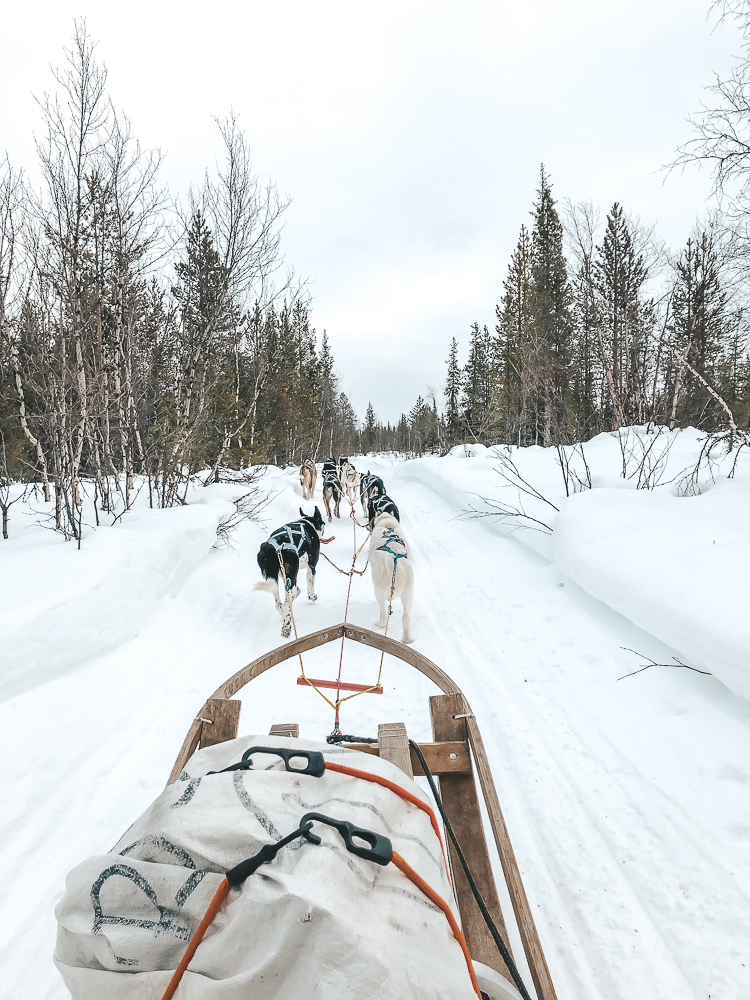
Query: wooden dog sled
[456,757]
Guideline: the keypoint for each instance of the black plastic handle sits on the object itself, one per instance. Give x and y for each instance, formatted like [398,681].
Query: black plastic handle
[315,767]
[238,874]
[380,850]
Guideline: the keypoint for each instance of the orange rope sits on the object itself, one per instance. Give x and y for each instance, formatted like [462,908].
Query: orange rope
[438,901]
[224,887]
[213,909]
[399,791]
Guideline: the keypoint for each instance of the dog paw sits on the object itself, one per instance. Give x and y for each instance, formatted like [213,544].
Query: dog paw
[286,632]
[312,597]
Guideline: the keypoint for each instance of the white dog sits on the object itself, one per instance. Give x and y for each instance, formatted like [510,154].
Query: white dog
[391,568]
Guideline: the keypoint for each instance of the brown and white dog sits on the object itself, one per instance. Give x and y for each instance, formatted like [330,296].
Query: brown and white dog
[332,488]
[392,574]
[350,481]
[308,476]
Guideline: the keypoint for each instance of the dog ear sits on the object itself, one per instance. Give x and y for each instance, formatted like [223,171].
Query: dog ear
[302,513]
[317,512]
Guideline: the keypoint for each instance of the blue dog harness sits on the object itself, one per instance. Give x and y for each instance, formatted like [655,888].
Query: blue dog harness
[391,537]
[296,535]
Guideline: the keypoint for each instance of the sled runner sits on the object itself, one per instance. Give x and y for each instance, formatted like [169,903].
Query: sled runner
[352,891]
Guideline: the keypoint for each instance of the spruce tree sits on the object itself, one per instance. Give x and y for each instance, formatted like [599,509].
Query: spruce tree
[328,391]
[702,329]
[585,383]
[624,318]
[370,428]
[452,393]
[478,382]
[513,331]
[548,352]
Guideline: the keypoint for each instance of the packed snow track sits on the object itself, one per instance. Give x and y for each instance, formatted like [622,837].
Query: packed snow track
[628,802]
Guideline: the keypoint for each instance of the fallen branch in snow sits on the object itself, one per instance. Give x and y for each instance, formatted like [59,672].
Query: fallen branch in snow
[504,512]
[653,663]
[246,508]
[508,470]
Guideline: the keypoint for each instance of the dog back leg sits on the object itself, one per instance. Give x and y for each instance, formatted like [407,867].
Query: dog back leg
[286,616]
[383,605]
[288,590]
[280,597]
[406,579]
[311,595]
[406,598]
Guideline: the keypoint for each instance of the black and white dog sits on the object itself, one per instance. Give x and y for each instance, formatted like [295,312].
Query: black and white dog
[381,505]
[293,545]
[332,488]
[370,486]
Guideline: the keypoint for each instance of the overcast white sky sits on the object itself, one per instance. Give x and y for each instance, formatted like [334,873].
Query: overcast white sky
[408,134]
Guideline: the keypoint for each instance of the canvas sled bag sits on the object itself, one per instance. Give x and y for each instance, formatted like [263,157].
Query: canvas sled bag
[317,921]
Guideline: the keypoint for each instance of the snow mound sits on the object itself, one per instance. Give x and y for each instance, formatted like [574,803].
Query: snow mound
[61,605]
[676,567]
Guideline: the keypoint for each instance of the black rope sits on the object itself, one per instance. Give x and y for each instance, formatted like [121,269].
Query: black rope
[501,946]
[337,737]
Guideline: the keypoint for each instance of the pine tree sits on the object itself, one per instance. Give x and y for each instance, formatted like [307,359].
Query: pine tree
[478,381]
[513,332]
[584,377]
[370,428]
[547,354]
[624,318]
[328,393]
[452,393]
[201,283]
[345,435]
[702,330]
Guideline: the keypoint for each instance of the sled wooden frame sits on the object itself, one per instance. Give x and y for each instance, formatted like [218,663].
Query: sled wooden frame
[218,721]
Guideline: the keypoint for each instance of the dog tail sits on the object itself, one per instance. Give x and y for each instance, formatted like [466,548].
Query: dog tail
[269,585]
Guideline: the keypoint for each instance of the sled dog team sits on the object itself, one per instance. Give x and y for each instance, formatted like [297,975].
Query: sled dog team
[297,544]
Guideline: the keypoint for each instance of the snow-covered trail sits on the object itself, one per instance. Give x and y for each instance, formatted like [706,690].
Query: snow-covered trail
[627,802]
[614,793]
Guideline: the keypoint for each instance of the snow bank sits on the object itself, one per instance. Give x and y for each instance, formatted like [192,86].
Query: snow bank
[61,605]
[677,567]
[672,558]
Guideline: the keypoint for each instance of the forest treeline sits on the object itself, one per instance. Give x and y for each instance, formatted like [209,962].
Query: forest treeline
[141,340]
[598,327]
[145,340]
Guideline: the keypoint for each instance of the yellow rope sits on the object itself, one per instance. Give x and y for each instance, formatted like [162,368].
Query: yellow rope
[288,597]
[339,701]
[387,622]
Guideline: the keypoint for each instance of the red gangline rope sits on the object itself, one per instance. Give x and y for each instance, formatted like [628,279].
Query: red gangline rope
[346,612]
